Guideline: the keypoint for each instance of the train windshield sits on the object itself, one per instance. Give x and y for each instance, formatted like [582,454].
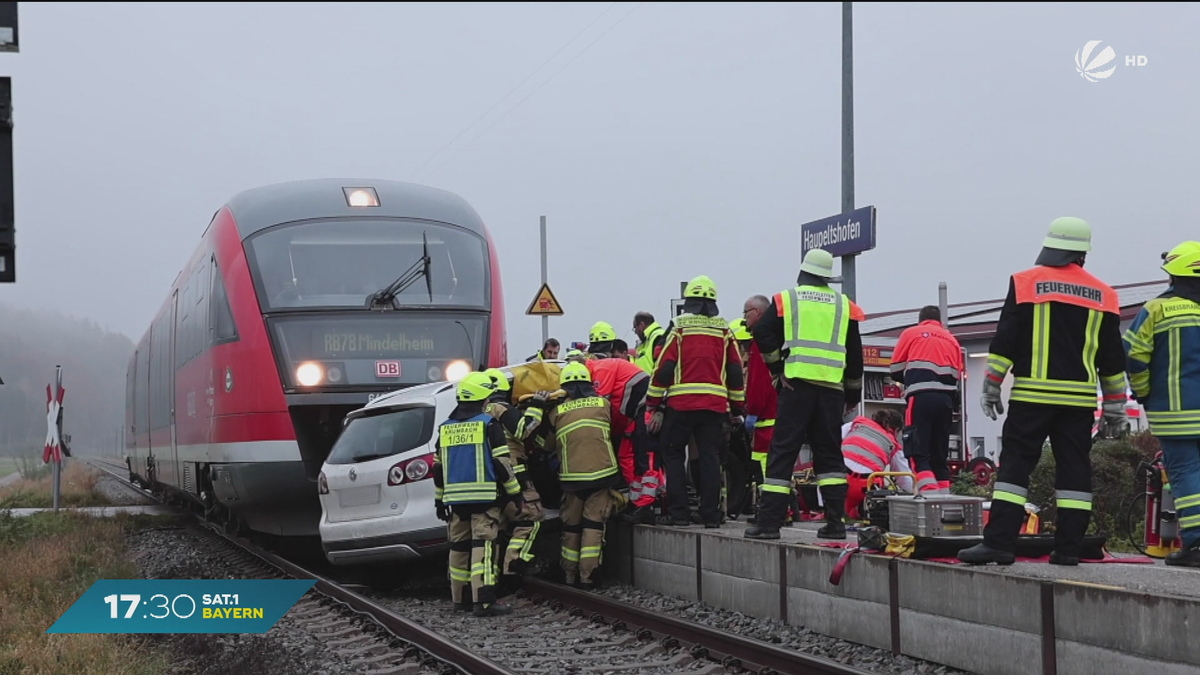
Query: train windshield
[339,263]
[380,349]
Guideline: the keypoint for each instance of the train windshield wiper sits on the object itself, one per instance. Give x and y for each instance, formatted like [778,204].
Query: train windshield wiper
[386,297]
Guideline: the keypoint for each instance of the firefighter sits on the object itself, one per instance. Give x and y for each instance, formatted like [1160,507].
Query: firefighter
[1163,357]
[761,396]
[471,463]
[575,355]
[868,446]
[522,523]
[588,470]
[928,361]
[809,339]
[651,337]
[548,352]
[1054,312]
[741,335]
[624,385]
[697,384]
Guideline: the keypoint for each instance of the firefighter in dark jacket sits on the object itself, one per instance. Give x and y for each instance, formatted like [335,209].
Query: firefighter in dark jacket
[809,339]
[579,426]
[472,481]
[698,382]
[524,523]
[1059,333]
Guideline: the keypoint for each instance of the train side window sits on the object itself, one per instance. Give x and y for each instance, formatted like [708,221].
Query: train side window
[224,328]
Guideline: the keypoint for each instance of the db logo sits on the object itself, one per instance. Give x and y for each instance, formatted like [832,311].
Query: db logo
[387,369]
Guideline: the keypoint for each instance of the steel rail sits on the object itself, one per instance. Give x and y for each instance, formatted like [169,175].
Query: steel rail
[445,650]
[731,650]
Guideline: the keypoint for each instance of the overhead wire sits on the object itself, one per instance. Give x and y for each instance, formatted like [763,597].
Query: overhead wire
[513,90]
[536,90]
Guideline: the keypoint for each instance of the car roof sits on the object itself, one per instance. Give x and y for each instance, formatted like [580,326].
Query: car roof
[426,391]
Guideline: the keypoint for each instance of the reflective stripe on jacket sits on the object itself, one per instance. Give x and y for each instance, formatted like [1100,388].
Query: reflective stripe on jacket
[1163,355]
[650,348]
[869,444]
[815,323]
[699,368]
[927,357]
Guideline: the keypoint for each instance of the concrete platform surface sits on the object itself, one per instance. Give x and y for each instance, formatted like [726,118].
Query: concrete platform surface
[1154,578]
[104,511]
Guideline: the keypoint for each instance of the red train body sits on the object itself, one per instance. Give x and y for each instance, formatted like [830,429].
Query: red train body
[269,336]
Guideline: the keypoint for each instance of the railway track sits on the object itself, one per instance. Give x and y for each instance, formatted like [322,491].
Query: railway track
[553,629]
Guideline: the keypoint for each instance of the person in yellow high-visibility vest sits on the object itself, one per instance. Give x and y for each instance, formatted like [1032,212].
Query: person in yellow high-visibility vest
[809,339]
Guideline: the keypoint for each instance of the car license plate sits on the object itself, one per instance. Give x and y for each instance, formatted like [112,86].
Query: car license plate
[387,369]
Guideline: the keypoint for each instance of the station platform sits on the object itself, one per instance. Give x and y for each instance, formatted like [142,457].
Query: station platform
[1130,614]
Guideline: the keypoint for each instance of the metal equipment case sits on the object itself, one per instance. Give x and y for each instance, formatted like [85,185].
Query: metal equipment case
[936,515]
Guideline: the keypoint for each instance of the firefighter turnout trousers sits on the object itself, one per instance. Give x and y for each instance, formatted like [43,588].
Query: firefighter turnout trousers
[473,555]
[806,410]
[1181,457]
[1025,431]
[584,515]
[524,526]
[927,422]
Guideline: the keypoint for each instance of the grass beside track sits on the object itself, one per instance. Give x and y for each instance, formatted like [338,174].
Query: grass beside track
[78,484]
[49,560]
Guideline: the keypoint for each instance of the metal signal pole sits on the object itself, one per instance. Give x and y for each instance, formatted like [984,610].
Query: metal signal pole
[848,261]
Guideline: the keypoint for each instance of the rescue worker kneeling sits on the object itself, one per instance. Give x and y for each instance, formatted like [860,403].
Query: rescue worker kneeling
[587,468]
[523,522]
[471,462]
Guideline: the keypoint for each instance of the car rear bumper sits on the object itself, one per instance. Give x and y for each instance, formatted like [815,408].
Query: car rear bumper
[398,547]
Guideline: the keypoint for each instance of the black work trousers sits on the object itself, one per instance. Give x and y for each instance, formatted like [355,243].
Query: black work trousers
[680,426]
[809,412]
[930,416]
[1026,429]
[643,444]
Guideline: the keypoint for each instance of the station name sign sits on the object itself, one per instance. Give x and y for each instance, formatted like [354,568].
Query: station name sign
[843,234]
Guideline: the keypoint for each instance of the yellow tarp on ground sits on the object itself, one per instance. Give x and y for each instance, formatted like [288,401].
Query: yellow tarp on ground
[531,378]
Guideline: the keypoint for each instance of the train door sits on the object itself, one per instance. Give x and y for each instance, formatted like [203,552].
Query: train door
[176,474]
[132,399]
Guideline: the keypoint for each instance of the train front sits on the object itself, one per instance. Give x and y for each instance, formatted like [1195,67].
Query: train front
[381,287]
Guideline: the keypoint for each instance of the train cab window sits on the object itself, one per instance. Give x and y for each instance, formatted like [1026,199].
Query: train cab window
[340,263]
[220,315]
[383,434]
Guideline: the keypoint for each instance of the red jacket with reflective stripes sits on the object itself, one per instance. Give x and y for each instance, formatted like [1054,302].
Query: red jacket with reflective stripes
[699,368]
[927,358]
[869,444]
[623,383]
[761,397]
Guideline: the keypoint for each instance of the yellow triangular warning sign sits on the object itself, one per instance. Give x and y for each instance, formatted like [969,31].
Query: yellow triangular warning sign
[544,304]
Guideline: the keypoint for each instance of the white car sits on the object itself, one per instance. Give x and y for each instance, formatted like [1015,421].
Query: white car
[376,486]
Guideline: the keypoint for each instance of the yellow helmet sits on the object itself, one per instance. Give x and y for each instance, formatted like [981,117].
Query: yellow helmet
[475,387]
[498,378]
[574,372]
[740,332]
[602,332]
[1183,260]
[701,287]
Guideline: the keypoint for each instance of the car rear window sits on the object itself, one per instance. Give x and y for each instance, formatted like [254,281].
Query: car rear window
[383,434]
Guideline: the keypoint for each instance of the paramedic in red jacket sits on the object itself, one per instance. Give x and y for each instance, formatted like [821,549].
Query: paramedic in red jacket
[698,384]
[928,362]
[871,446]
[761,396]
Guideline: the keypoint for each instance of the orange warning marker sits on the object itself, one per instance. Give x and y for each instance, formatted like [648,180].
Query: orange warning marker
[544,304]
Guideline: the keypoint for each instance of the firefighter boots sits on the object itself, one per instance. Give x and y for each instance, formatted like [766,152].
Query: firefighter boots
[492,609]
[835,513]
[1057,558]
[982,554]
[761,532]
[1185,557]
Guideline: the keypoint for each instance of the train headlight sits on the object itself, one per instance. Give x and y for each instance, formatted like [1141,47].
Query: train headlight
[334,374]
[361,196]
[457,370]
[309,374]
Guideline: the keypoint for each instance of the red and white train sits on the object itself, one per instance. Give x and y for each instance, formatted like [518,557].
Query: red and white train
[304,301]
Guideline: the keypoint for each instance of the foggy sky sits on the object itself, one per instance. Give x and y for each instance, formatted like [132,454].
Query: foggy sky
[689,139]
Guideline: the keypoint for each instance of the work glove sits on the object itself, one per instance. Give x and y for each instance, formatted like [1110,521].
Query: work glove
[751,420]
[518,501]
[540,398]
[1116,419]
[443,511]
[990,399]
[654,423]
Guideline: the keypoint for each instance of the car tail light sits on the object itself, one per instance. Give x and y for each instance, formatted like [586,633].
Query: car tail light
[411,470]
[322,484]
